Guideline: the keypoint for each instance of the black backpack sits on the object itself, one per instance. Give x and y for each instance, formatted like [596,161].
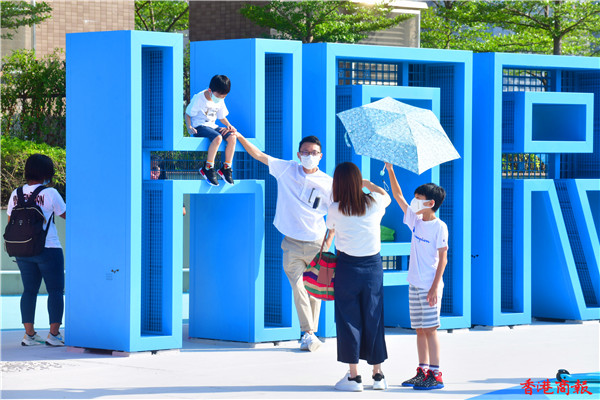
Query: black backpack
[24,235]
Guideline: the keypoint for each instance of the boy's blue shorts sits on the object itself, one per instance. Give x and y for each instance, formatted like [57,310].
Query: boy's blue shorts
[208,132]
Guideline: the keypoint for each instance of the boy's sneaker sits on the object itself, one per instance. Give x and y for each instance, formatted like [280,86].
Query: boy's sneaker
[32,340]
[55,340]
[210,175]
[418,378]
[379,382]
[431,381]
[348,384]
[313,342]
[226,174]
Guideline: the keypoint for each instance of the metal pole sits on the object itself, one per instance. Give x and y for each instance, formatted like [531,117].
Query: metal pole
[33,44]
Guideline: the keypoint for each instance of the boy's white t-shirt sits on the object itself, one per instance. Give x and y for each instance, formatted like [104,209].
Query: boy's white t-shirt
[295,216]
[427,238]
[50,202]
[359,236]
[205,112]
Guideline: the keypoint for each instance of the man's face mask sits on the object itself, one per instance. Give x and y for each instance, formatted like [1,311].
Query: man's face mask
[309,162]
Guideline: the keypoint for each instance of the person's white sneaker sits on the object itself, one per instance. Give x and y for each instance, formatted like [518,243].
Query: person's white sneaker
[348,384]
[313,342]
[304,342]
[32,340]
[57,340]
[379,382]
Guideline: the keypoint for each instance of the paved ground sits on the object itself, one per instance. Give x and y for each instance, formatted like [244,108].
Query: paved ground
[474,362]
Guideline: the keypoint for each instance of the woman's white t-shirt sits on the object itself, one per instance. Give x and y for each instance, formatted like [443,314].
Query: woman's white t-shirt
[359,236]
[50,202]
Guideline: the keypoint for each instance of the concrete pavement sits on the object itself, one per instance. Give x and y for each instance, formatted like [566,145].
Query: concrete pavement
[474,362]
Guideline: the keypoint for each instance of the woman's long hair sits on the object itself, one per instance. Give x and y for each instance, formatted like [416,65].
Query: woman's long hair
[347,190]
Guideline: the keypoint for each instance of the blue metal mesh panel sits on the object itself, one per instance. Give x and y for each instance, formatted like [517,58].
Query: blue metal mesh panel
[180,165]
[508,120]
[368,72]
[443,78]
[507,265]
[343,102]
[273,146]
[395,263]
[583,165]
[152,260]
[152,97]
[577,249]
[525,166]
[527,80]
[416,75]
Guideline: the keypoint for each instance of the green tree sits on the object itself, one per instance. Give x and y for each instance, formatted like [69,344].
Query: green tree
[162,16]
[322,21]
[14,153]
[33,97]
[540,26]
[15,14]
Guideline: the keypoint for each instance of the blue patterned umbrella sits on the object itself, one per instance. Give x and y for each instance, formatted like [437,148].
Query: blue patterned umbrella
[391,131]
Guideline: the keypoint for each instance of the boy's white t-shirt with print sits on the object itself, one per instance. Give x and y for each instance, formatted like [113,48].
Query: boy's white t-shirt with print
[295,215]
[427,238]
[359,236]
[50,202]
[205,112]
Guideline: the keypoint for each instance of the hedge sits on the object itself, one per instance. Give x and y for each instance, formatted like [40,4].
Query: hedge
[14,154]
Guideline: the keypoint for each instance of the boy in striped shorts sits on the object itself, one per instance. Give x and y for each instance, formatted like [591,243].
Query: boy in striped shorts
[428,258]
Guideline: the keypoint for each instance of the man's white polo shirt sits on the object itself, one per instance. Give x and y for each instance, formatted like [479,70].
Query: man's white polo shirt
[298,193]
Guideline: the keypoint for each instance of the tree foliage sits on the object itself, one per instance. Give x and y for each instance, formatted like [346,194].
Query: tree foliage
[322,21]
[162,16]
[15,14]
[15,152]
[33,97]
[540,26]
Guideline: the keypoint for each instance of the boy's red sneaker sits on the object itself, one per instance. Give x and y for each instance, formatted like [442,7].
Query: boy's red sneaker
[418,378]
[433,380]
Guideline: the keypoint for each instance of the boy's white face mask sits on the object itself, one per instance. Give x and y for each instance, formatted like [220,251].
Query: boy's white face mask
[417,205]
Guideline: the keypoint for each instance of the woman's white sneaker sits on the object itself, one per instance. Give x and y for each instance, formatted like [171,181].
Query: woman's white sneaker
[348,384]
[379,382]
[57,340]
[32,340]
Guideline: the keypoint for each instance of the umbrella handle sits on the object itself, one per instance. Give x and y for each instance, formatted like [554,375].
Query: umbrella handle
[346,139]
[385,185]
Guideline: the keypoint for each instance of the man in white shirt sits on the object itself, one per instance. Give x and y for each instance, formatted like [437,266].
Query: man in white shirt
[303,197]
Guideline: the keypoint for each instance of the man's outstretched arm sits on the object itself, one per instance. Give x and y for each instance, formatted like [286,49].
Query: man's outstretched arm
[252,149]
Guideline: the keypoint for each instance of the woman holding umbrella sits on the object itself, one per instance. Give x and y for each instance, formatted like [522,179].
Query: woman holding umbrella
[355,216]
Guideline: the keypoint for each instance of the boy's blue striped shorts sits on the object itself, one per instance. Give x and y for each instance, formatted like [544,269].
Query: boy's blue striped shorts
[422,315]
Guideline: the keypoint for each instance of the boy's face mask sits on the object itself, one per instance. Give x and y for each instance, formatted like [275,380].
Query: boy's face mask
[214,98]
[417,205]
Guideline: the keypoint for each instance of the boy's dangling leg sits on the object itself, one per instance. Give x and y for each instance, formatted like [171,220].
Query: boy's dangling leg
[226,170]
[208,170]
[230,150]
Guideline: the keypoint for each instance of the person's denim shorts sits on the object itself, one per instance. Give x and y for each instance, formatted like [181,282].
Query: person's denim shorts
[208,132]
